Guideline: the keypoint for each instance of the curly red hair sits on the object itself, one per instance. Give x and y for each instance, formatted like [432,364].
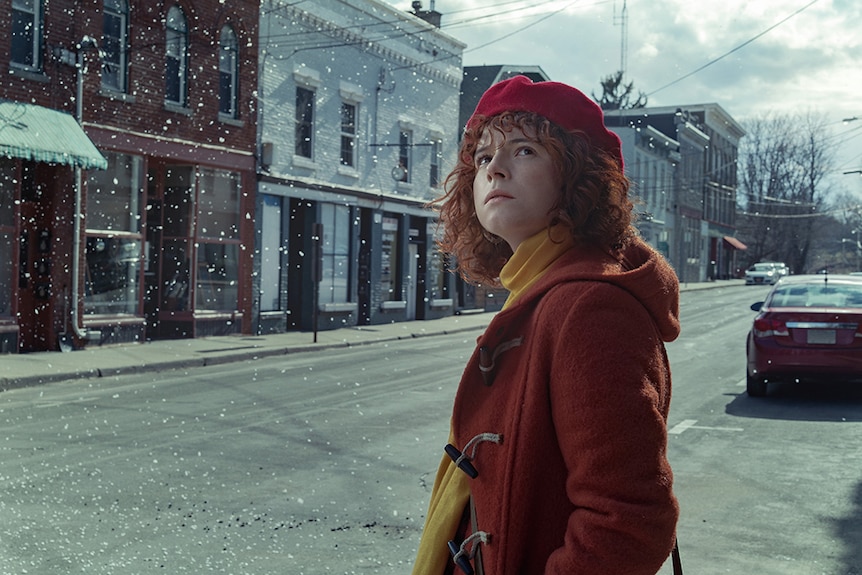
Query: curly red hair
[594,203]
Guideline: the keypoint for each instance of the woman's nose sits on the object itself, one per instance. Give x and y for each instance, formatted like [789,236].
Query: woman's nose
[497,168]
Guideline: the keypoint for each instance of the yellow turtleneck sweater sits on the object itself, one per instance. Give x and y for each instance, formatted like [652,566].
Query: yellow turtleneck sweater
[451,492]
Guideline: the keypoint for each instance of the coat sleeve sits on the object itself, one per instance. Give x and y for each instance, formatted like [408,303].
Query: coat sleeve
[609,386]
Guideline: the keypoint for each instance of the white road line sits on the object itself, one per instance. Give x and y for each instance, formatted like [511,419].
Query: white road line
[682,426]
[690,424]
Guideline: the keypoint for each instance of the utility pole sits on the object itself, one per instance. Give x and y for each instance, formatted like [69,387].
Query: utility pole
[622,22]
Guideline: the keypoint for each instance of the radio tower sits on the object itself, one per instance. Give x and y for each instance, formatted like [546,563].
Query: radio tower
[622,21]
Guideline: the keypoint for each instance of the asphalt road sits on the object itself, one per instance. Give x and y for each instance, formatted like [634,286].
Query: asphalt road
[321,463]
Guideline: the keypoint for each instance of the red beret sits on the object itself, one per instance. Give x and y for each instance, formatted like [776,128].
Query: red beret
[561,104]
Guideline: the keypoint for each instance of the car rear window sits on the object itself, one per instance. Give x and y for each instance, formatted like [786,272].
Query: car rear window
[819,295]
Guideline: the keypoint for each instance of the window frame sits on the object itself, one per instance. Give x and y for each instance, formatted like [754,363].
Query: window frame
[348,134]
[177,33]
[34,40]
[304,122]
[121,235]
[120,11]
[228,72]
[434,170]
[336,254]
[405,155]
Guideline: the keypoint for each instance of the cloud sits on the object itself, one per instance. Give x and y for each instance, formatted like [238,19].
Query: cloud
[809,62]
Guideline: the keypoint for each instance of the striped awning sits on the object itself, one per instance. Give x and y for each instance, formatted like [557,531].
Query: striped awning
[41,134]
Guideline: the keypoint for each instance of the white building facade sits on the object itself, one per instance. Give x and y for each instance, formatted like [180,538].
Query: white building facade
[358,126]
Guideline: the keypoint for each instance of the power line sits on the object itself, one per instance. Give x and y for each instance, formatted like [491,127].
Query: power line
[737,48]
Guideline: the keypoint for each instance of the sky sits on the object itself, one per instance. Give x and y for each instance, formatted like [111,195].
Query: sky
[752,57]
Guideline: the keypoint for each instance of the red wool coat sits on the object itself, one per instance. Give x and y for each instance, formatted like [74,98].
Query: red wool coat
[573,382]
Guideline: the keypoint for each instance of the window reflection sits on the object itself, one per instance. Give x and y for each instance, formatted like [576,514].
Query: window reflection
[112,275]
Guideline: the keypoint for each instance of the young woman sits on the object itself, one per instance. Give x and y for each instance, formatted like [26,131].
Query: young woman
[557,456]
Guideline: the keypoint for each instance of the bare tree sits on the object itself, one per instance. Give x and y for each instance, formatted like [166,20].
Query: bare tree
[618,96]
[784,160]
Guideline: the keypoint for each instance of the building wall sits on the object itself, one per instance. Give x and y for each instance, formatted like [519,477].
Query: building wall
[391,67]
[138,128]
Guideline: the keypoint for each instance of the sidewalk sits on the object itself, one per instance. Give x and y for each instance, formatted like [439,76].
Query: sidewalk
[24,370]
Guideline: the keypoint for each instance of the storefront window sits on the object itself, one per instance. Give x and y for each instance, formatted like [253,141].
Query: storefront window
[336,253]
[114,195]
[217,271]
[217,284]
[271,252]
[114,242]
[389,261]
[112,275]
[218,210]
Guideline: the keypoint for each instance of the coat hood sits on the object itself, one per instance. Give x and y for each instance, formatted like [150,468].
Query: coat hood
[638,269]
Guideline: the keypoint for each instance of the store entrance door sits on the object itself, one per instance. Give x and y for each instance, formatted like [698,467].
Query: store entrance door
[34,271]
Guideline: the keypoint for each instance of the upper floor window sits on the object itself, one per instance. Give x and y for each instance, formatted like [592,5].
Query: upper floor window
[27,33]
[228,72]
[436,155]
[405,143]
[115,44]
[304,122]
[348,134]
[176,56]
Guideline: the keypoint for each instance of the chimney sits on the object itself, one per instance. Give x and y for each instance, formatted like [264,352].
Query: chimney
[431,16]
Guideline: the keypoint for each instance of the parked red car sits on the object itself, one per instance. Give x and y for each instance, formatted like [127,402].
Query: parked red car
[808,328]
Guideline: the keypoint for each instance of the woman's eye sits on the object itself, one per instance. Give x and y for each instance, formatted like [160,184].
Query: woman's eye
[525,151]
[482,160]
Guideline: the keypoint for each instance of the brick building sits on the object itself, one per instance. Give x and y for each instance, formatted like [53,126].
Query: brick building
[160,165]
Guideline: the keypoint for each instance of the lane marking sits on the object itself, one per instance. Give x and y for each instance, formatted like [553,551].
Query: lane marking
[682,426]
[690,424]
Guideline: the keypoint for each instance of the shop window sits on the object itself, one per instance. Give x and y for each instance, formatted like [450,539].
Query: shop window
[7,233]
[27,34]
[272,251]
[112,275]
[389,261]
[304,122]
[217,238]
[348,134]
[114,195]
[438,266]
[335,271]
[228,68]
[217,281]
[114,241]
[115,44]
[176,57]
[218,205]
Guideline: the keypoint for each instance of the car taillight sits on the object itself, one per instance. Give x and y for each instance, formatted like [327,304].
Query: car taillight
[765,327]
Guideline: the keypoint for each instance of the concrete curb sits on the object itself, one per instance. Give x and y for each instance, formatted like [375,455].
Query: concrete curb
[42,368]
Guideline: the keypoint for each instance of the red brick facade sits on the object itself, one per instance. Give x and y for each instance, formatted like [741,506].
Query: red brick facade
[138,127]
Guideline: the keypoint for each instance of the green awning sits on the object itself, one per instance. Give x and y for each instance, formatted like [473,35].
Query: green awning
[41,134]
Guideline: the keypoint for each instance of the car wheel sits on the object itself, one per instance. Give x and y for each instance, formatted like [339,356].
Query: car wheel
[755,386]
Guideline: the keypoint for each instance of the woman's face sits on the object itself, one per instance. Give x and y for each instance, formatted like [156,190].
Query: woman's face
[515,189]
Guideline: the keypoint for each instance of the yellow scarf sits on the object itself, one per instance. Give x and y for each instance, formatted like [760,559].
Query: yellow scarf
[532,259]
[451,492]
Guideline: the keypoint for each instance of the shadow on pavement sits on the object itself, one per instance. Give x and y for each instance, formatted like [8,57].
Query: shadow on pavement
[836,402]
[849,530]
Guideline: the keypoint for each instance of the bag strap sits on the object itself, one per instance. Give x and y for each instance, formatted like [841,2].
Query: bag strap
[677,562]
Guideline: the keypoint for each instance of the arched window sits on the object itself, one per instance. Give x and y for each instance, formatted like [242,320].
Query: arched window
[115,44]
[176,57]
[228,72]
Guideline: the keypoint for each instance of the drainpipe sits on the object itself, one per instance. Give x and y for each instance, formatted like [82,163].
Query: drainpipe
[88,42]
